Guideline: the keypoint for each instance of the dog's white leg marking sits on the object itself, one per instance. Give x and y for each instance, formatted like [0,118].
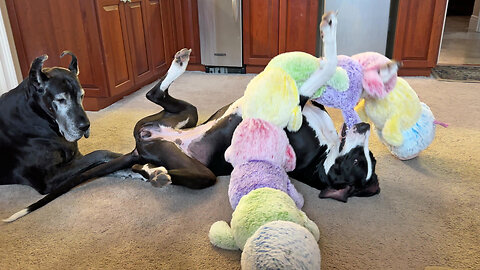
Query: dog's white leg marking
[182,123]
[331,156]
[367,156]
[322,124]
[17,215]
[173,73]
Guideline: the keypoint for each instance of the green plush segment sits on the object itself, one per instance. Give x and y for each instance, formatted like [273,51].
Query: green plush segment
[259,207]
[221,236]
[339,82]
[298,65]
[319,92]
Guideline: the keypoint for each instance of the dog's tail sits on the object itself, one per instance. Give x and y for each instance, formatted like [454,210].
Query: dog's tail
[114,165]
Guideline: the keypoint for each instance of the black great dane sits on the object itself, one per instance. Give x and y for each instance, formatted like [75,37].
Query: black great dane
[172,149]
[41,121]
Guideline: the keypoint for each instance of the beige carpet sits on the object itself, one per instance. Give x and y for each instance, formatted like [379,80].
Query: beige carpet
[427,214]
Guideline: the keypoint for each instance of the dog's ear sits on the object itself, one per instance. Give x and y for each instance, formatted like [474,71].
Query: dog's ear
[36,76]
[73,67]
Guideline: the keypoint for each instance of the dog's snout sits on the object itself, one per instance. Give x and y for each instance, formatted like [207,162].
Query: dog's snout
[362,127]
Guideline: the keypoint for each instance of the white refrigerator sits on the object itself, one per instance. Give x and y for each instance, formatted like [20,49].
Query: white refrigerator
[362,25]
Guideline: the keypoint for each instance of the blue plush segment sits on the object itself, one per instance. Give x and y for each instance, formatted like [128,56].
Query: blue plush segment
[417,138]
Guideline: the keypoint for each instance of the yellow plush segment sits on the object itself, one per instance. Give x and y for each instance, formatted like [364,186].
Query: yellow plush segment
[360,109]
[398,111]
[273,96]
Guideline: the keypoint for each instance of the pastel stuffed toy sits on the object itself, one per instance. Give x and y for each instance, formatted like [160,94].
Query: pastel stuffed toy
[281,245]
[342,90]
[377,81]
[348,99]
[273,96]
[403,123]
[261,155]
[255,209]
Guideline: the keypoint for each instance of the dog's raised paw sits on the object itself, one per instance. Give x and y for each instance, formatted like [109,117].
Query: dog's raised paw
[160,177]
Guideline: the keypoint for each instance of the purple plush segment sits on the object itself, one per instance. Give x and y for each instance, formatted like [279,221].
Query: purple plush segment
[346,100]
[258,174]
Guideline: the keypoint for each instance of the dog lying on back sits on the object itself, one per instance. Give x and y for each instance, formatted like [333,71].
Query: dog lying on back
[41,121]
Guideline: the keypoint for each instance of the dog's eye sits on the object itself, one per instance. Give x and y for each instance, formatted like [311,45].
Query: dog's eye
[355,162]
[330,22]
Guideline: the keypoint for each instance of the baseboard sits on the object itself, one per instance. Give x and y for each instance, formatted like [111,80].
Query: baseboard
[474,24]
[415,72]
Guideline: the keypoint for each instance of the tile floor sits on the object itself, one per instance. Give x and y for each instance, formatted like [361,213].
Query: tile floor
[458,45]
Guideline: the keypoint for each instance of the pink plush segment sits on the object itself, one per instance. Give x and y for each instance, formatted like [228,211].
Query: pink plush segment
[256,139]
[372,84]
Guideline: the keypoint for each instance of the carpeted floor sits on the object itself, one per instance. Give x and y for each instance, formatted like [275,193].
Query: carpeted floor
[427,214]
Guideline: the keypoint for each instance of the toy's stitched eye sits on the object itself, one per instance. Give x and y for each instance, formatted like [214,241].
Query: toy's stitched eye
[61,100]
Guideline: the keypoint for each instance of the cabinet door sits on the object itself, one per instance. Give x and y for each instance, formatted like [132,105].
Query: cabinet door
[137,25]
[50,27]
[298,26]
[159,64]
[186,28]
[417,35]
[113,30]
[260,31]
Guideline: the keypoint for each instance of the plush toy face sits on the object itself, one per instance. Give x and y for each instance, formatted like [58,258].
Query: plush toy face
[256,139]
[281,245]
[379,73]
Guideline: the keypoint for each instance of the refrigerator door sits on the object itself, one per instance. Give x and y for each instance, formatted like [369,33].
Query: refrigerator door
[220,23]
[362,25]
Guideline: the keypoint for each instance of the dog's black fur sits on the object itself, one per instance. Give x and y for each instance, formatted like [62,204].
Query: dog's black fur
[206,160]
[36,117]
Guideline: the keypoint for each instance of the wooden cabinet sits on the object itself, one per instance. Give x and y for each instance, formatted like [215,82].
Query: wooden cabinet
[113,30]
[187,31]
[50,27]
[158,62]
[417,35]
[271,27]
[121,46]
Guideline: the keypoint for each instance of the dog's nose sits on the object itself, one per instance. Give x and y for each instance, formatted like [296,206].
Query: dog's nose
[84,126]
[362,127]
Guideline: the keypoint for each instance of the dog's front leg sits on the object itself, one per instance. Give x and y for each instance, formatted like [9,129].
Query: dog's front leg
[77,166]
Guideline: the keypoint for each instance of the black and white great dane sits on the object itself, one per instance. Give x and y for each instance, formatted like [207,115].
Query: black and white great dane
[41,121]
[172,149]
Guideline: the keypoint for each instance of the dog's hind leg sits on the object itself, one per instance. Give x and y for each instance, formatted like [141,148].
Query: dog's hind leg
[182,169]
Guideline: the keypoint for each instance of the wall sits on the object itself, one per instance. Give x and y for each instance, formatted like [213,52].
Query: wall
[10,73]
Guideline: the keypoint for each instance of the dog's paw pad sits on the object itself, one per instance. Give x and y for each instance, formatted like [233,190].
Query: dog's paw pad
[160,178]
